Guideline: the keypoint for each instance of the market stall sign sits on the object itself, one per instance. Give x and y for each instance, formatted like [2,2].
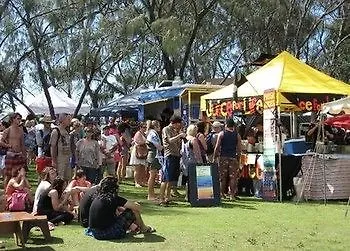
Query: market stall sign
[310,102]
[226,107]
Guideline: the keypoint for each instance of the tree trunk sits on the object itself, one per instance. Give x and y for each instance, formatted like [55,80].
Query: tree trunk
[13,96]
[81,99]
[40,68]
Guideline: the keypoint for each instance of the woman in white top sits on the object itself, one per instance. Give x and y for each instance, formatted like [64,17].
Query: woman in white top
[136,160]
[44,186]
[2,157]
[154,154]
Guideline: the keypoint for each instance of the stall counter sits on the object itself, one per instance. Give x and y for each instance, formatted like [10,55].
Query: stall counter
[337,176]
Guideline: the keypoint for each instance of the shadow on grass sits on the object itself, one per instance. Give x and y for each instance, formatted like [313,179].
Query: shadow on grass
[40,244]
[45,248]
[237,205]
[142,238]
[41,241]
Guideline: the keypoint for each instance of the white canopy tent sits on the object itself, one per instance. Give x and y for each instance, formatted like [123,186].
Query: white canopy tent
[60,101]
[337,106]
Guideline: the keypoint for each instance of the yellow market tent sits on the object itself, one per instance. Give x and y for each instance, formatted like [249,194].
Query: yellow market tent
[223,93]
[286,74]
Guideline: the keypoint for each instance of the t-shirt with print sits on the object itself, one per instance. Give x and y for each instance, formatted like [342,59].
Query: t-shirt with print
[103,211]
[111,140]
[154,139]
[87,153]
[174,147]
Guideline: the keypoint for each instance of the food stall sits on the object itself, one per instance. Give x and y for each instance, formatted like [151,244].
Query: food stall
[326,172]
[286,85]
[152,103]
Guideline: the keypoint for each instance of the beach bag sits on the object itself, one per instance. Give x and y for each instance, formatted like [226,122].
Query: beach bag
[141,151]
[187,156]
[18,201]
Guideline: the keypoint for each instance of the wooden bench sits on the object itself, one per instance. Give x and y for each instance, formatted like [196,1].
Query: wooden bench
[20,224]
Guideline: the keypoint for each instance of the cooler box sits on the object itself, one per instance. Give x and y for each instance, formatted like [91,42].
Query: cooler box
[295,146]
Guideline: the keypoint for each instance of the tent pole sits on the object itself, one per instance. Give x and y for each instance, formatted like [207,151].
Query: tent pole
[279,140]
[189,107]
[291,124]
[324,162]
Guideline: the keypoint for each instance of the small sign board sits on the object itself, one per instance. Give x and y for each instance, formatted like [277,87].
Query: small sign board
[204,185]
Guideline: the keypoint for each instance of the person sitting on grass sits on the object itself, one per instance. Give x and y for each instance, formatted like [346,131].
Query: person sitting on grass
[85,204]
[80,184]
[48,176]
[55,205]
[106,221]
[18,195]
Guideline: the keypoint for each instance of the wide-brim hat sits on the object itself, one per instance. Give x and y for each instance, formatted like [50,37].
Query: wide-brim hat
[47,119]
[217,124]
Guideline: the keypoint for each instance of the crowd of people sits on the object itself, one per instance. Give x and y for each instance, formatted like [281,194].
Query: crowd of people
[72,158]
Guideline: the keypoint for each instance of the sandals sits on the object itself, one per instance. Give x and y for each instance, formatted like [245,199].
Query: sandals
[51,226]
[164,203]
[148,230]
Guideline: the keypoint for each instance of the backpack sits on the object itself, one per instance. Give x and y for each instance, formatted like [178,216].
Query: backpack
[46,148]
[209,141]
[187,156]
[30,140]
[18,201]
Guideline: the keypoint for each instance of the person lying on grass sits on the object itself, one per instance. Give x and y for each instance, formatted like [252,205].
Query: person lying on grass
[106,221]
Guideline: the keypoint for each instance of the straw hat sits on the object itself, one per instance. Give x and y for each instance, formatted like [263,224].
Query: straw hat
[47,119]
[217,124]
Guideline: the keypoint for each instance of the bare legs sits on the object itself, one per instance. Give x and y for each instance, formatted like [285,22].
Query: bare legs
[121,172]
[140,175]
[151,182]
[165,191]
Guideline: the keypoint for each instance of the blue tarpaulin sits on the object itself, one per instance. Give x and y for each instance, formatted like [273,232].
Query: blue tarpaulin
[136,100]
[159,95]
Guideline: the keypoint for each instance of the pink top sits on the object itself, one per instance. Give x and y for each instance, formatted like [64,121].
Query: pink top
[81,183]
[139,138]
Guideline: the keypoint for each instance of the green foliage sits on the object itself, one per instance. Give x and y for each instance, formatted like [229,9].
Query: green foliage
[118,46]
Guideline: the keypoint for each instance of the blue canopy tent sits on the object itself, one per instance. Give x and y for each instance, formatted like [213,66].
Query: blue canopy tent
[149,103]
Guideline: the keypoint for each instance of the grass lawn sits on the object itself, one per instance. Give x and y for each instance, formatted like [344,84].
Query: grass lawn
[246,224]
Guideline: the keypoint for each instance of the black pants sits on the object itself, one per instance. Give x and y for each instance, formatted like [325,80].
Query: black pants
[56,217]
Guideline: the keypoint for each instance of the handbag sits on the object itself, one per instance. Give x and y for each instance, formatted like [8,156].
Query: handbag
[18,201]
[141,151]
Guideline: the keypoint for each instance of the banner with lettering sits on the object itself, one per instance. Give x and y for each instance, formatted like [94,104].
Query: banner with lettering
[269,183]
[311,102]
[224,108]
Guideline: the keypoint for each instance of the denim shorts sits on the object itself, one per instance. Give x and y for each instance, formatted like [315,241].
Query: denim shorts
[171,169]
